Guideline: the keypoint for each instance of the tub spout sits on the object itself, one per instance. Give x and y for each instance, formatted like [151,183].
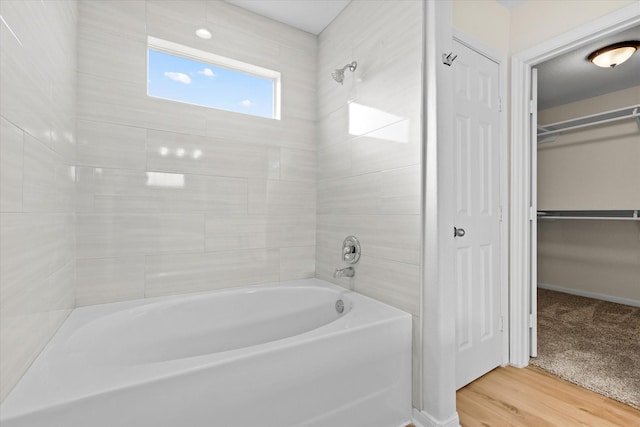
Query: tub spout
[344,272]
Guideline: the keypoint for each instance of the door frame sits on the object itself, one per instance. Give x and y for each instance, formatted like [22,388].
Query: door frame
[437,317]
[521,253]
[500,59]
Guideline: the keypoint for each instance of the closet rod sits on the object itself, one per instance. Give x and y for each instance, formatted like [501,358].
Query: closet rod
[628,215]
[593,120]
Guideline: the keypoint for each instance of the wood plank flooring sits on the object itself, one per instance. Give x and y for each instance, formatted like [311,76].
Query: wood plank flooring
[531,397]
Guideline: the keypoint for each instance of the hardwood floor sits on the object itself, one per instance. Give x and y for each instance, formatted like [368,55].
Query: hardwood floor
[531,397]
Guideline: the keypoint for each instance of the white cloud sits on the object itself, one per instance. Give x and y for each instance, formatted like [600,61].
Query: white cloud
[247,103]
[179,77]
[207,72]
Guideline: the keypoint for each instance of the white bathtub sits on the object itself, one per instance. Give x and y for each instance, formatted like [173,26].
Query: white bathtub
[270,355]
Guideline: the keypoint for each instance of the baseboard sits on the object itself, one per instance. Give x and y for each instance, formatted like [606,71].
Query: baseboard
[626,301]
[422,419]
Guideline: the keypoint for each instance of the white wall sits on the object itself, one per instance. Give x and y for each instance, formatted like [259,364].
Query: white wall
[369,144]
[485,20]
[246,213]
[37,150]
[591,257]
[535,21]
[595,168]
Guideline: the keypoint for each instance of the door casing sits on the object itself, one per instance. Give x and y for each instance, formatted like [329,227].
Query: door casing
[521,214]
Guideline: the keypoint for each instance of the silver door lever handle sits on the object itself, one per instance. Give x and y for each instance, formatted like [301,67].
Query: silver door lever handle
[458,232]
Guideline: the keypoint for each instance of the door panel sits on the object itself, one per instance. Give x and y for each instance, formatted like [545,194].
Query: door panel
[477,174]
[464,320]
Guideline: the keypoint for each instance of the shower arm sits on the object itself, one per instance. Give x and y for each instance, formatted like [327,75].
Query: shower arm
[352,67]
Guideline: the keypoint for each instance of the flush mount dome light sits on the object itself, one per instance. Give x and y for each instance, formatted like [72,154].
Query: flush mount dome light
[203,33]
[615,54]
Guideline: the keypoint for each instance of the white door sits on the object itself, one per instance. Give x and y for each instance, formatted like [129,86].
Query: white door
[477,214]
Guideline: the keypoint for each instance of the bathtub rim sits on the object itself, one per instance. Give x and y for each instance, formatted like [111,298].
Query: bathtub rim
[24,406]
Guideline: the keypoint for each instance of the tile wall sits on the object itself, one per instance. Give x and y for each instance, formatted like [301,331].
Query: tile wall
[369,148]
[151,222]
[106,205]
[37,175]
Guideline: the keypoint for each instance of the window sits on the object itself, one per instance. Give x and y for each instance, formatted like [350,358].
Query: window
[183,74]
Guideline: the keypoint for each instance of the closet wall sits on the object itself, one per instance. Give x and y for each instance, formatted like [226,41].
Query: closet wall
[596,168]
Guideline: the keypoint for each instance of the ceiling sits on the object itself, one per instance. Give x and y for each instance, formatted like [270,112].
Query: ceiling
[571,77]
[311,16]
[561,80]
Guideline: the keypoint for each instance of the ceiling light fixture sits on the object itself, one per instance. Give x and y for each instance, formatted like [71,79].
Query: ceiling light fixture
[203,33]
[615,54]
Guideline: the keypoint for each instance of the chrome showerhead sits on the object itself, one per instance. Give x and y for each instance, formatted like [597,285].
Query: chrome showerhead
[338,74]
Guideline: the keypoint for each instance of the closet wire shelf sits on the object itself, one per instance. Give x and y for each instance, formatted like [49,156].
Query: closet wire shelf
[622,215]
[587,121]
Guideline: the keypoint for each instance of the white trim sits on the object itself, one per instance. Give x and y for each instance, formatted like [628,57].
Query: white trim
[473,43]
[500,59]
[533,206]
[200,55]
[438,293]
[596,295]
[520,247]
[220,61]
[422,419]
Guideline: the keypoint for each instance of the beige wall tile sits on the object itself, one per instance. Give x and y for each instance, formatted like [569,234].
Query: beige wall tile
[352,195]
[153,170]
[123,17]
[374,276]
[176,274]
[224,233]
[103,280]
[297,165]
[110,145]
[129,191]
[281,197]
[26,96]
[297,262]
[37,280]
[110,235]
[111,54]
[369,152]
[11,159]
[37,178]
[48,179]
[173,152]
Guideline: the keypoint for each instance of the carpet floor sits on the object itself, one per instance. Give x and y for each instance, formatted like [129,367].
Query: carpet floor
[592,343]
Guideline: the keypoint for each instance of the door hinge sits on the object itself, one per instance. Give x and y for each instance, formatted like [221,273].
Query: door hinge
[500,213]
[532,213]
[531,106]
[499,104]
[501,323]
[531,320]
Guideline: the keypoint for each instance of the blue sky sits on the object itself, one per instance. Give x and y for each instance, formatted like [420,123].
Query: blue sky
[194,82]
